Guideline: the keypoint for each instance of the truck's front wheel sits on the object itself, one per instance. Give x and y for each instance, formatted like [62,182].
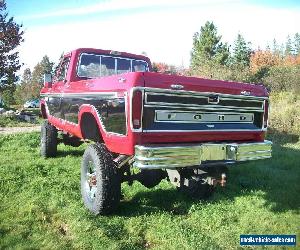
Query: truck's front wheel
[48,140]
[100,180]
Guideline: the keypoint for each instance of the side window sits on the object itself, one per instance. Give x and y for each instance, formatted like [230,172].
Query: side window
[108,66]
[63,70]
[123,66]
[89,66]
[139,66]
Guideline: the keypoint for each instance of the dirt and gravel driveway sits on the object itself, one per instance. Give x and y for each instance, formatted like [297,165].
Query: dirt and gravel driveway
[14,130]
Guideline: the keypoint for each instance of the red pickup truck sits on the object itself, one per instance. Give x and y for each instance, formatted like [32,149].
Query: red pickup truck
[186,129]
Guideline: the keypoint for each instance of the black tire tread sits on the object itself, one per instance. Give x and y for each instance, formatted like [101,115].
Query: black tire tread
[108,192]
[48,140]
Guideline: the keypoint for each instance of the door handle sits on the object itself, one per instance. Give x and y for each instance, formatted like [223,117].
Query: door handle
[122,80]
[89,85]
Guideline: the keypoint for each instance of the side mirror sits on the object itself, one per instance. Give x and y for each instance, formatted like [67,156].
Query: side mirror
[47,80]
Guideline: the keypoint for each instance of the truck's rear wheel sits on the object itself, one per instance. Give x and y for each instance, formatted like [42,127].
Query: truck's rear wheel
[100,180]
[48,140]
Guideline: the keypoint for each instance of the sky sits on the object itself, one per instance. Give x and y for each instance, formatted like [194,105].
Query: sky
[161,28]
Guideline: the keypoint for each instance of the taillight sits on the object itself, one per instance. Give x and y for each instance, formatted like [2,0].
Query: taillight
[136,109]
[266,113]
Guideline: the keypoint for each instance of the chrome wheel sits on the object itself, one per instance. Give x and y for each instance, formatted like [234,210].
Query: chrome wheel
[91,181]
[100,180]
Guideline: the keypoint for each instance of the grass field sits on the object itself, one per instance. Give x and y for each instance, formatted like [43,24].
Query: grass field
[41,207]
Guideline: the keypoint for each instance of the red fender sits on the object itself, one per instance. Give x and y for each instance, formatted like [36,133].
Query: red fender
[117,143]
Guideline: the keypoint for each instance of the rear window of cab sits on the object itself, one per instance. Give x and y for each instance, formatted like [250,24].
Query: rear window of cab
[94,66]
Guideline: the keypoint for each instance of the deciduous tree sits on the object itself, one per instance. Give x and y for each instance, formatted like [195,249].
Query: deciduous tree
[263,59]
[23,90]
[164,68]
[31,83]
[11,36]
[45,66]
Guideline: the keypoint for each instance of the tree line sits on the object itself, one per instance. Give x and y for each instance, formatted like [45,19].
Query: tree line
[277,66]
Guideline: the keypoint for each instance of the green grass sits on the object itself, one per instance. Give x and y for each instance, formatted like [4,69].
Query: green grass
[41,207]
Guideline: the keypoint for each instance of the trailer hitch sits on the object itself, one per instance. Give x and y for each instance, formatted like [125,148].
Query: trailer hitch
[214,182]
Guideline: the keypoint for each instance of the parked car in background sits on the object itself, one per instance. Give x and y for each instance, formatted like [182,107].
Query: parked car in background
[35,103]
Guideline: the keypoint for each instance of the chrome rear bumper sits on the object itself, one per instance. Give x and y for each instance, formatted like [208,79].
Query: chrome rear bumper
[174,156]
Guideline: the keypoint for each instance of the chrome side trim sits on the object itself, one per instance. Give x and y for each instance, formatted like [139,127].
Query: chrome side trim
[82,94]
[186,155]
[50,95]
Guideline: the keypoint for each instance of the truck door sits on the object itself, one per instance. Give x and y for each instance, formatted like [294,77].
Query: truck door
[103,86]
[54,100]
[60,80]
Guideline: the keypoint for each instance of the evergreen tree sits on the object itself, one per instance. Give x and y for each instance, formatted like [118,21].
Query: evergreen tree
[26,77]
[222,56]
[207,47]
[10,38]
[275,47]
[241,52]
[288,46]
[296,45]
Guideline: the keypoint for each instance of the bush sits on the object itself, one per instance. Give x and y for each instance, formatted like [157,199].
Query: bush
[285,112]
[221,72]
[283,78]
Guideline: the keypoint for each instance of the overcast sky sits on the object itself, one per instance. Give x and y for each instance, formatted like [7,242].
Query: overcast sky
[163,29]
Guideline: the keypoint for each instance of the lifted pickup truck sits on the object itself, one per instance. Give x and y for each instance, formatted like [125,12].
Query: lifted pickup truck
[185,129]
